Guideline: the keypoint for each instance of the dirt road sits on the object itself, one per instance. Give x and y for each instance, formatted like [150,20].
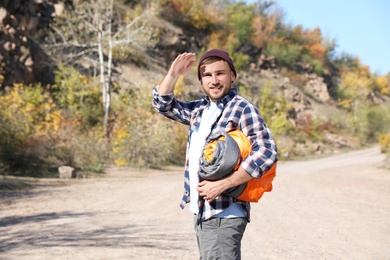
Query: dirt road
[330,208]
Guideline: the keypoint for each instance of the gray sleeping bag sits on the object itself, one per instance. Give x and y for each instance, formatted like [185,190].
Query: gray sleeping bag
[225,157]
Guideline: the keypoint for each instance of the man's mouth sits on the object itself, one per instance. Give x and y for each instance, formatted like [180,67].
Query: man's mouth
[216,88]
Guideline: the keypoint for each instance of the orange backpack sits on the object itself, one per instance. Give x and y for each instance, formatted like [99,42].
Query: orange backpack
[255,188]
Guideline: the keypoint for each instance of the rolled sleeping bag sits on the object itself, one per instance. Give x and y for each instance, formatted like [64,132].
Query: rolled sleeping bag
[223,154]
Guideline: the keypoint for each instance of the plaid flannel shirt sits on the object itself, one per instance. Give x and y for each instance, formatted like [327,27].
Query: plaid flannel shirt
[237,113]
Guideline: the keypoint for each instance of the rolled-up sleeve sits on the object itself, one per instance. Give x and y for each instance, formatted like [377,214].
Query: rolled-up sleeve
[167,105]
[163,102]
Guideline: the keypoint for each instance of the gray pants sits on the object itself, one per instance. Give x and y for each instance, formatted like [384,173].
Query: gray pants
[220,238]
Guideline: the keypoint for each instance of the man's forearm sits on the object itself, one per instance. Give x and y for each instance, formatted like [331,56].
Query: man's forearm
[237,178]
[211,189]
[168,84]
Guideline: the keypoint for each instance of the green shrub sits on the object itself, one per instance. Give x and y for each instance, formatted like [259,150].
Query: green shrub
[317,65]
[78,95]
[239,17]
[26,114]
[273,108]
[376,122]
[240,60]
[286,54]
[141,136]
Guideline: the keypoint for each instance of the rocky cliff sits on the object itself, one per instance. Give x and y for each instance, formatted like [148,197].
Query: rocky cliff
[23,24]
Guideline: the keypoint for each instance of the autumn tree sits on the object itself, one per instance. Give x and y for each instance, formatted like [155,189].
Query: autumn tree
[267,21]
[382,83]
[88,36]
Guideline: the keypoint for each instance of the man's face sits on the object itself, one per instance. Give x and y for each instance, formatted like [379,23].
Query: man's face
[216,80]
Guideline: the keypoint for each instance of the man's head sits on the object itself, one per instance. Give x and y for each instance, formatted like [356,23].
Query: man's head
[217,54]
[216,72]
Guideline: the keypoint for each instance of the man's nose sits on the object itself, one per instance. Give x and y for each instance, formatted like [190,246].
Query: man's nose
[214,79]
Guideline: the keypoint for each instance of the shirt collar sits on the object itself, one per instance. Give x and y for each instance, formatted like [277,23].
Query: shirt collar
[226,99]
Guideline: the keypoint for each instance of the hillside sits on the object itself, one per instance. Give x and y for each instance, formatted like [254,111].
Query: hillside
[308,98]
[55,66]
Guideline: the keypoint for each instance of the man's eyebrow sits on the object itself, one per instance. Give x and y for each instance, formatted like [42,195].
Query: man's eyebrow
[217,71]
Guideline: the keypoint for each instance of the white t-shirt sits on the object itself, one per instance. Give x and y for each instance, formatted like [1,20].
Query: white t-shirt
[198,140]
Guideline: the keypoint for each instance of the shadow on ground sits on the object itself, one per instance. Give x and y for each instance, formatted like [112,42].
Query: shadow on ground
[63,230]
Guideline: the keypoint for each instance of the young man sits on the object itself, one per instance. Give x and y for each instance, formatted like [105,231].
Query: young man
[220,220]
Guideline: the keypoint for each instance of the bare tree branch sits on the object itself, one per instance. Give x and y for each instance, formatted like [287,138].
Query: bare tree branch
[93,30]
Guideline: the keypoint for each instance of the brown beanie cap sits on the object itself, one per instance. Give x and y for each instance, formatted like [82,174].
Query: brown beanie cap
[220,54]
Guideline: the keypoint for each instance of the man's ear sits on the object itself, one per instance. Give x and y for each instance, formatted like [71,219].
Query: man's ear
[233,77]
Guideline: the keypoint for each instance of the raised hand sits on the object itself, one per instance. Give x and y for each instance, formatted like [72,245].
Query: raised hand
[182,64]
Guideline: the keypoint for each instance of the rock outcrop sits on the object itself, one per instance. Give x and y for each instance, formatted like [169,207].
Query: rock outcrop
[67,172]
[23,24]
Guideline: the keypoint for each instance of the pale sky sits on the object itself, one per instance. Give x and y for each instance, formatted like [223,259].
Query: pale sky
[359,27]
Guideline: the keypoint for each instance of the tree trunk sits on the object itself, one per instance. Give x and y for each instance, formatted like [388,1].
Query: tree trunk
[106,71]
[103,81]
[107,109]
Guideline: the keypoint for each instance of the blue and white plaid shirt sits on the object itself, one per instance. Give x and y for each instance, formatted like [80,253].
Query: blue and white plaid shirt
[237,113]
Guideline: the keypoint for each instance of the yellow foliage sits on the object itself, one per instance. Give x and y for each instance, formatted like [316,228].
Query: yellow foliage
[120,162]
[381,81]
[14,110]
[345,103]
[383,85]
[50,125]
[199,18]
[120,135]
[385,91]
[364,71]
[384,141]
[30,111]
[357,82]
[194,12]
[217,40]
[180,86]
